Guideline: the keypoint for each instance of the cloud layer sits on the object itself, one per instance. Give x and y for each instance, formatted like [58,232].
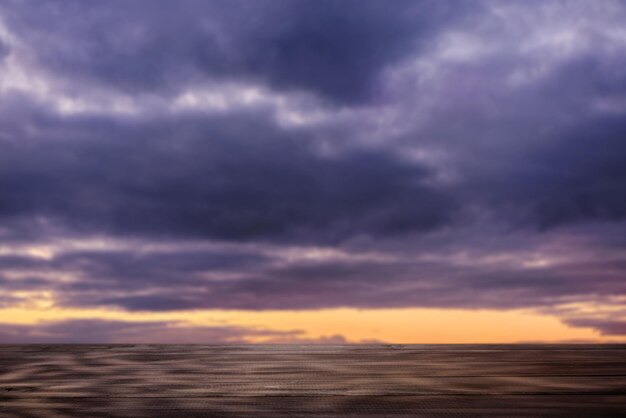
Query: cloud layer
[305,155]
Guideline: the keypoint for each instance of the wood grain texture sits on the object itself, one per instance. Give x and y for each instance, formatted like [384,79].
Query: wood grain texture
[305,381]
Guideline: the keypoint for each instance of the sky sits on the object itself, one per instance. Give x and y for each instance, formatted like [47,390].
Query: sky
[296,171]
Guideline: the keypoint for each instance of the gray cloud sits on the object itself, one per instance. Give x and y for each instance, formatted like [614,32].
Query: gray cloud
[334,49]
[235,177]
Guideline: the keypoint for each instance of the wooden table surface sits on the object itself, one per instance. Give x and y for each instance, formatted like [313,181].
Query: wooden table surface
[305,381]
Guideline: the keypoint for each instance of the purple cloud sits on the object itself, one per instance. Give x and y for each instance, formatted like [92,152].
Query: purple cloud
[95,331]
[305,155]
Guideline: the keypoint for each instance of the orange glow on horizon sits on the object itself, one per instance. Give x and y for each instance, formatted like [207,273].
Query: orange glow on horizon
[401,326]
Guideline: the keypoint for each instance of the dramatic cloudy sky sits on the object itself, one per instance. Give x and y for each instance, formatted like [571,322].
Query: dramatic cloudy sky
[312,171]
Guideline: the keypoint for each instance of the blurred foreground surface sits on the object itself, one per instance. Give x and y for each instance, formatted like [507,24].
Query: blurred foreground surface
[305,381]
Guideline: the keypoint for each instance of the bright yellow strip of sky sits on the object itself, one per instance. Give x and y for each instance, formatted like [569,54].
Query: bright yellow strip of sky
[410,325]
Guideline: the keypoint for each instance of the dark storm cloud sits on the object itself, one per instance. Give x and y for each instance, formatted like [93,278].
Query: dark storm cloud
[574,176]
[383,285]
[120,265]
[334,49]
[579,176]
[241,177]
[234,177]
[560,172]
